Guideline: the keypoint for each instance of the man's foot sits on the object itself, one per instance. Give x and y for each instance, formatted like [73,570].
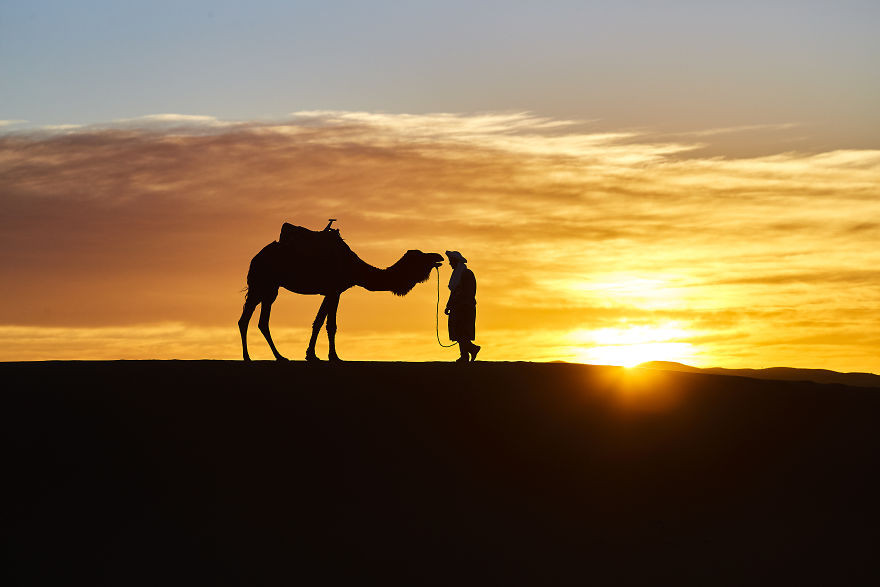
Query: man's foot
[474,350]
[461,360]
[312,357]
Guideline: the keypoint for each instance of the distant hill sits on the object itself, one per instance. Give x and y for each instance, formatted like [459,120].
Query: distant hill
[776,374]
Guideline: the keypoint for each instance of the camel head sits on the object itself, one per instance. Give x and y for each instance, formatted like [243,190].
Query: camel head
[413,268]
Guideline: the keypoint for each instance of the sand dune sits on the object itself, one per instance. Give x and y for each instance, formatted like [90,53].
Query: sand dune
[225,473]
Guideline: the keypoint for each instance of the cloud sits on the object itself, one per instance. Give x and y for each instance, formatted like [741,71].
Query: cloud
[190,119]
[711,132]
[154,221]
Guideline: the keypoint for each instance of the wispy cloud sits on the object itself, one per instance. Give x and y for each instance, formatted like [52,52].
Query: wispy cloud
[154,220]
[711,132]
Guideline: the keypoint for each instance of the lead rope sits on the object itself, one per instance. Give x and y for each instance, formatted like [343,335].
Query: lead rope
[437,314]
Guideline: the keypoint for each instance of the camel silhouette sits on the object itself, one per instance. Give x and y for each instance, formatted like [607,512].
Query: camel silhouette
[320,263]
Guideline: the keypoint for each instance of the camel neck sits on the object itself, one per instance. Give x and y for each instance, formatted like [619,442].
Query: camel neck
[376,279]
[398,279]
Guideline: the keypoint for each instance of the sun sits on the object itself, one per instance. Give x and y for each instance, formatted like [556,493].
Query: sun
[629,346]
[635,354]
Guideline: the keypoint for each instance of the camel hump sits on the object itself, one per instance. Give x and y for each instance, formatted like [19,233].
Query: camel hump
[291,234]
[303,239]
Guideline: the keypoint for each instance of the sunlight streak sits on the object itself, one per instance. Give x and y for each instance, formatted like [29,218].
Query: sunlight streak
[651,292]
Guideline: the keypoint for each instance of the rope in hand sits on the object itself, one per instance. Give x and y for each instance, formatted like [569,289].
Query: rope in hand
[437,314]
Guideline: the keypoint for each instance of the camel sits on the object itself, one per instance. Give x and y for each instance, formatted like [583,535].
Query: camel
[320,263]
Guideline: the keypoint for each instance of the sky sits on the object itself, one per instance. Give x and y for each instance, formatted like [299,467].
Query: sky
[630,181]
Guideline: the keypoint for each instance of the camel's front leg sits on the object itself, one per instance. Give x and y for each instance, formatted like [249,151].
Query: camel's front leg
[250,304]
[316,328]
[332,306]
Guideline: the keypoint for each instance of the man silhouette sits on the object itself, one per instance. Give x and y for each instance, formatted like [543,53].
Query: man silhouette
[462,307]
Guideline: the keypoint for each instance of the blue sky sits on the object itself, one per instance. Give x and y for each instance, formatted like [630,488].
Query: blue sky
[667,66]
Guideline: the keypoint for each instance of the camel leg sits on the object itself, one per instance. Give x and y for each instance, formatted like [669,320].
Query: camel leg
[316,328]
[250,304]
[332,305]
[265,310]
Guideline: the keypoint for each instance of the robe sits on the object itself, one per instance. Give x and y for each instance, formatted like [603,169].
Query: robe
[463,308]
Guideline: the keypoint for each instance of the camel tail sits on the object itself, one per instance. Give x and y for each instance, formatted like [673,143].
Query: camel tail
[246,293]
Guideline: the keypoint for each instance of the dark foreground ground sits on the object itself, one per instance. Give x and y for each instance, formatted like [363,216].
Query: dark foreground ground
[216,473]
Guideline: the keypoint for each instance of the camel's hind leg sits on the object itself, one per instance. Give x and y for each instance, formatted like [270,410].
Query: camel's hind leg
[265,310]
[250,304]
[316,328]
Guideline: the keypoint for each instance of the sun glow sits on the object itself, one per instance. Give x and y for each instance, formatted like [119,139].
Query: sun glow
[629,346]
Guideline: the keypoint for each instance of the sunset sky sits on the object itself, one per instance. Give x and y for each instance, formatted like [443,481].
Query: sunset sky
[630,181]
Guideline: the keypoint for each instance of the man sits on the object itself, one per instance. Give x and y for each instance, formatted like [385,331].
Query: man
[462,307]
